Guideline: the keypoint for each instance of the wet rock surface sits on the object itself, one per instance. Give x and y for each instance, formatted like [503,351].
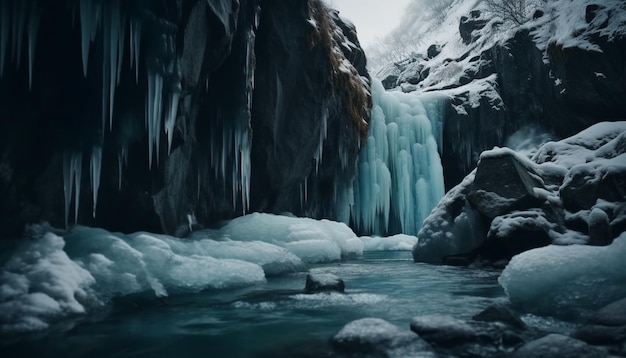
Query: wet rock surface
[323,282]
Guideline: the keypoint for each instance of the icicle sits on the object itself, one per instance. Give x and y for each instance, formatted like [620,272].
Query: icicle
[199,186]
[121,44]
[68,184]
[320,146]
[244,147]
[72,172]
[114,47]
[33,28]
[119,171]
[95,168]
[85,31]
[170,119]
[153,111]
[19,23]
[306,189]
[5,21]
[399,170]
[135,45]
[78,172]
[122,160]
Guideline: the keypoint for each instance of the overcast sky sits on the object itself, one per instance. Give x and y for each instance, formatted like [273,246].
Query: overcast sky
[373,18]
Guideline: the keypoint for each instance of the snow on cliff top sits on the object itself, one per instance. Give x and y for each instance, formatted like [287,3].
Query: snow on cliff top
[563,23]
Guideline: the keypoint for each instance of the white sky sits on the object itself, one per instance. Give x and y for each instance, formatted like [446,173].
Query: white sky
[373,18]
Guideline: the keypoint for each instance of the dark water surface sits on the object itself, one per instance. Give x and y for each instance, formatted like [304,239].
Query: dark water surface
[268,320]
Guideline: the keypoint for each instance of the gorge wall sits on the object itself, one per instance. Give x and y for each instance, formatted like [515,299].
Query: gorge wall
[150,115]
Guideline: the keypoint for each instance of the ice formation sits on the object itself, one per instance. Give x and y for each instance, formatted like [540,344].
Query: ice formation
[153,113]
[399,242]
[72,173]
[399,177]
[41,284]
[563,280]
[311,240]
[95,169]
[50,278]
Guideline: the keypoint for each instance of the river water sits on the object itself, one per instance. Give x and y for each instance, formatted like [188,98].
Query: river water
[273,319]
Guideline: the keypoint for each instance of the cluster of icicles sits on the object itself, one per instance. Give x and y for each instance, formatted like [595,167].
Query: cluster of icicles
[19,20]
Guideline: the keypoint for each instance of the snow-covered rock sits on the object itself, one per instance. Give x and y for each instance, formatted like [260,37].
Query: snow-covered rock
[567,192]
[50,278]
[399,242]
[560,67]
[322,282]
[376,337]
[566,280]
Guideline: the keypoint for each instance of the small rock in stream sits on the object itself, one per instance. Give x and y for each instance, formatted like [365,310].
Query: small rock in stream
[323,282]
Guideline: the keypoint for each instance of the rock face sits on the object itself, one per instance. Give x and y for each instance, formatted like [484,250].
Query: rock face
[212,109]
[502,184]
[511,203]
[530,80]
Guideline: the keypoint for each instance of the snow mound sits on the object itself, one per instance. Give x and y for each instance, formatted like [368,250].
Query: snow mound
[311,240]
[561,280]
[400,242]
[51,278]
[40,284]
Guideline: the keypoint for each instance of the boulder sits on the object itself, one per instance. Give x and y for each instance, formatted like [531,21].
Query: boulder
[606,326]
[558,346]
[443,330]
[502,184]
[433,51]
[613,314]
[390,81]
[599,228]
[375,337]
[601,335]
[323,282]
[584,185]
[469,24]
[498,312]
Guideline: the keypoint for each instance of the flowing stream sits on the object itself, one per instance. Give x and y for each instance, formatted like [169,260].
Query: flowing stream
[270,319]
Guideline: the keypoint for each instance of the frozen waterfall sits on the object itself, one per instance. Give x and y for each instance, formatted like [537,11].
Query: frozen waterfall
[399,175]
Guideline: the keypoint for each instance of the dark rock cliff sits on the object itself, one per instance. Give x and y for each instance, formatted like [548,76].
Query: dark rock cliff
[562,94]
[532,81]
[189,111]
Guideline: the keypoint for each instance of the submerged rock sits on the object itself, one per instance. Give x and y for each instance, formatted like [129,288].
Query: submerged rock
[443,330]
[498,312]
[613,314]
[323,282]
[375,337]
[606,326]
[558,346]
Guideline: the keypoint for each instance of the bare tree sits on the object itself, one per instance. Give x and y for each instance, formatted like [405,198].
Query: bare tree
[514,11]
[438,8]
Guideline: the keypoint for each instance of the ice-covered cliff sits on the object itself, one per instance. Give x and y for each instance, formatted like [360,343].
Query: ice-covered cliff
[148,115]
